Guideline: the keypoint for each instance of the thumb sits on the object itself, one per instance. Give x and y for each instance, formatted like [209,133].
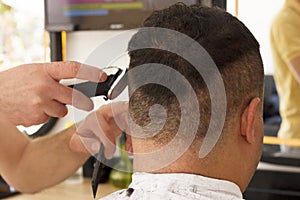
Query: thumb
[128,145]
[84,145]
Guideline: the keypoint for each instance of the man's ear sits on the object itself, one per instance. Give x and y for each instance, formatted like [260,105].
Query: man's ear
[247,120]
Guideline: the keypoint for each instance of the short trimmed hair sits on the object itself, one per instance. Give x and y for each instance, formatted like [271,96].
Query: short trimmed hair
[230,44]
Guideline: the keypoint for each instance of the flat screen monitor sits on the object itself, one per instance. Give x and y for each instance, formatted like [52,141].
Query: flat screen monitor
[70,15]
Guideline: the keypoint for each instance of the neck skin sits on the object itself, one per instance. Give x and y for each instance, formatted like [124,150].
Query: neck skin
[235,159]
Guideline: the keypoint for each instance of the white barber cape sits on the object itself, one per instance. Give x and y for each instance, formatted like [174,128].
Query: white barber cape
[146,186]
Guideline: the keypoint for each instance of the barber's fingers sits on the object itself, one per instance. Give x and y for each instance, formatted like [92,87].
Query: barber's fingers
[90,146]
[120,110]
[91,129]
[55,109]
[35,119]
[109,131]
[106,124]
[66,95]
[128,145]
[76,145]
[84,145]
[114,114]
[72,69]
[94,146]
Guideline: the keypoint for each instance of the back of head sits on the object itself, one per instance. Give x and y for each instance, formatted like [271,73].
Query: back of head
[230,44]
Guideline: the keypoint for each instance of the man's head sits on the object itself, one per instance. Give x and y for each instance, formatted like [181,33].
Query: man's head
[236,54]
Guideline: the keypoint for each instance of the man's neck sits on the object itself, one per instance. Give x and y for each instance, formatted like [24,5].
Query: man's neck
[211,166]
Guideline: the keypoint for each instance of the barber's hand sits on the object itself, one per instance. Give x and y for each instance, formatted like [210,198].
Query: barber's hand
[30,93]
[104,125]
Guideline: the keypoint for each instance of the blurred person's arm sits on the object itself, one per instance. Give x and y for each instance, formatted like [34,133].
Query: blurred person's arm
[31,93]
[294,65]
[286,43]
[32,165]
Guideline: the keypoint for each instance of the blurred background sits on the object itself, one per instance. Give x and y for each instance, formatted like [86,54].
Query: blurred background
[23,38]
[22,35]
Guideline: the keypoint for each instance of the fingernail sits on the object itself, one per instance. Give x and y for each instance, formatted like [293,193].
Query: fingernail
[91,106]
[86,107]
[130,151]
[103,76]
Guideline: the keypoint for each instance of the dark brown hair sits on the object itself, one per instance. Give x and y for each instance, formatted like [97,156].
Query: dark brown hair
[230,44]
